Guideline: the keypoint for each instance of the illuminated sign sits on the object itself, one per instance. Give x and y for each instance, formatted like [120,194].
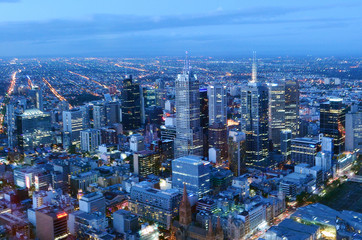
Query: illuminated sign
[62,214]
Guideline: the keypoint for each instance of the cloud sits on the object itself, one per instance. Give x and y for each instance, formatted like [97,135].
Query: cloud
[121,24]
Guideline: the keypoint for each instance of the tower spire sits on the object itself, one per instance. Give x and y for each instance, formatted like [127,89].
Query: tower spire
[185,209]
[187,63]
[254,69]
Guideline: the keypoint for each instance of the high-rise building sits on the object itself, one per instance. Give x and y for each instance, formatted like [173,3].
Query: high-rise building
[188,129]
[73,124]
[204,120]
[354,130]
[236,152]
[148,99]
[131,104]
[113,113]
[255,118]
[276,112]
[90,139]
[217,95]
[99,116]
[332,122]
[33,129]
[193,172]
[146,162]
[286,144]
[38,98]
[292,106]
[218,135]
[254,110]
[304,150]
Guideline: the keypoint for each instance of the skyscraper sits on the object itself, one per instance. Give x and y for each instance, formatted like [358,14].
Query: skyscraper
[254,112]
[204,120]
[276,112]
[73,124]
[332,122]
[131,104]
[218,135]
[217,103]
[292,106]
[188,130]
[90,139]
[354,130]
[33,129]
[193,172]
[113,113]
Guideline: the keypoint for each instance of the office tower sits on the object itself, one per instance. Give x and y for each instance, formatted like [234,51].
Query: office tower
[148,99]
[109,136]
[254,112]
[90,139]
[188,130]
[292,106]
[304,150]
[137,143]
[146,162]
[38,98]
[354,130]
[217,95]
[99,115]
[193,172]
[276,112]
[154,115]
[332,122]
[51,224]
[131,105]
[73,124]
[204,120]
[93,202]
[112,113]
[151,204]
[86,116]
[218,141]
[33,129]
[10,123]
[286,144]
[236,152]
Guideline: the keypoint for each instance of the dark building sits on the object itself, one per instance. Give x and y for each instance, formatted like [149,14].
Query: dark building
[113,113]
[51,224]
[332,123]
[33,129]
[218,139]
[109,136]
[131,105]
[292,106]
[154,115]
[254,110]
[204,119]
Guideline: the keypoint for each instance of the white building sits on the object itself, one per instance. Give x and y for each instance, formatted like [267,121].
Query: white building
[217,95]
[137,143]
[90,140]
[93,202]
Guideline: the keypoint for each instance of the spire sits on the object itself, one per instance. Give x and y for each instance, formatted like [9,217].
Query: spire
[218,225]
[185,209]
[254,69]
[210,233]
[187,64]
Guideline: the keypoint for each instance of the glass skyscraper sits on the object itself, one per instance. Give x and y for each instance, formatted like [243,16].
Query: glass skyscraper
[292,106]
[188,130]
[131,104]
[193,172]
[332,122]
[33,129]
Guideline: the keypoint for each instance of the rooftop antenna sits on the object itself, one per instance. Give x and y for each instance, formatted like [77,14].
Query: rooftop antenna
[254,69]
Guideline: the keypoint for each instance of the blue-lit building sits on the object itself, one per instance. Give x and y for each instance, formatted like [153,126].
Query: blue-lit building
[193,172]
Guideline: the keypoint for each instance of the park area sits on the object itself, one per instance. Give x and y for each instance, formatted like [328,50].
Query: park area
[347,196]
